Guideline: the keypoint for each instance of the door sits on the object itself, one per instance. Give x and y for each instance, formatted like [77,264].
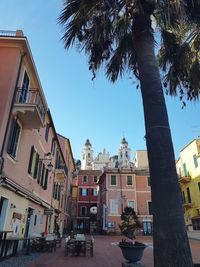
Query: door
[3,212]
[24,89]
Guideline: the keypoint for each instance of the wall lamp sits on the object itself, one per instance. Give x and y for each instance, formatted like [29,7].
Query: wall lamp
[47,156]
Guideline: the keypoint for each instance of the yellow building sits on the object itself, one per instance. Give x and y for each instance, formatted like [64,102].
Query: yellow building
[188,169]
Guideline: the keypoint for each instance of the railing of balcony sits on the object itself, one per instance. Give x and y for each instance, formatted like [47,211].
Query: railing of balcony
[7,33]
[187,201]
[30,97]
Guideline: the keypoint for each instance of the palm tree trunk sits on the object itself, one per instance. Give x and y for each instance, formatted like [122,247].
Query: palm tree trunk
[171,246]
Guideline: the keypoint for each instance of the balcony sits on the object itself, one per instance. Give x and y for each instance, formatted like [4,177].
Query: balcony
[184,179]
[29,108]
[188,204]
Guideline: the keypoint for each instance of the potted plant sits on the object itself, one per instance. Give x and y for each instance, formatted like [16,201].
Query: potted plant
[132,251]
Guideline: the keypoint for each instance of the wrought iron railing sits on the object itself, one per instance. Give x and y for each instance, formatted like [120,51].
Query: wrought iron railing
[31,97]
[7,33]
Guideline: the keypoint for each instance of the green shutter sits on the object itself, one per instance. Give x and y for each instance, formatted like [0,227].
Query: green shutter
[39,171]
[46,180]
[30,159]
[33,163]
[36,166]
[42,175]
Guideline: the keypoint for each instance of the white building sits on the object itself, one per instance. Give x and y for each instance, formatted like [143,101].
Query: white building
[103,159]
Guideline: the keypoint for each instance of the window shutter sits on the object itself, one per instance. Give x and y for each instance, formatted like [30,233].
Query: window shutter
[42,176]
[39,171]
[36,165]
[30,159]
[10,140]
[46,180]
[16,138]
[87,192]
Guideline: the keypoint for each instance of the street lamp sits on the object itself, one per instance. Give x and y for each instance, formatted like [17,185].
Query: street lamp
[47,156]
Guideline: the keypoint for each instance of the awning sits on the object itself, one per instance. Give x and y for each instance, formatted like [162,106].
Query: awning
[18,189]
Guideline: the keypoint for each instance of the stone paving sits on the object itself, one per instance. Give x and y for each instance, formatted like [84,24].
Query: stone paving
[20,260]
[106,254]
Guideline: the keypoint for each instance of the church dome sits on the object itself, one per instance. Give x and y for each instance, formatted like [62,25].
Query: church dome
[124,141]
[87,143]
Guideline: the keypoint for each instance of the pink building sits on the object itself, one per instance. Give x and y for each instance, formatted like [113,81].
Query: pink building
[119,188]
[33,169]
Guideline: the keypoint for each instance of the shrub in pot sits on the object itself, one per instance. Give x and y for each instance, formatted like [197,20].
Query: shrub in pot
[132,251]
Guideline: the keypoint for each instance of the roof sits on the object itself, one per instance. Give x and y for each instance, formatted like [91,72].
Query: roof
[60,138]
[87,143]
[90,172]
[123,141]
[189,143]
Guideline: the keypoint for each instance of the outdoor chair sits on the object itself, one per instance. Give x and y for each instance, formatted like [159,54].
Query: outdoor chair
[89,245]
[70,247]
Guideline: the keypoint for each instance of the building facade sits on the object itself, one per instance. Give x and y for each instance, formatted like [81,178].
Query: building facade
[103,159]
[87,200]
[188,169]
[119,188]
[66,197]
[33,168]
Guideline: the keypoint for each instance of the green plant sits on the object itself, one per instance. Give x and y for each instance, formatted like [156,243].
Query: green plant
[128,226]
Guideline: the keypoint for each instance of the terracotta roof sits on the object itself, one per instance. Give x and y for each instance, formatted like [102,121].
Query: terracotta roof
[90,172]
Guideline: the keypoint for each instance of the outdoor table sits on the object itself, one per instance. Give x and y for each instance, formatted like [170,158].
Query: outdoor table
[3,235]
[79,243]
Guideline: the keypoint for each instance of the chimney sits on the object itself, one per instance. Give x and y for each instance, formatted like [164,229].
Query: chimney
[19,33]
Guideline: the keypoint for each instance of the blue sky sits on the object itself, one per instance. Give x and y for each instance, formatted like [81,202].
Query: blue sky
[81,108]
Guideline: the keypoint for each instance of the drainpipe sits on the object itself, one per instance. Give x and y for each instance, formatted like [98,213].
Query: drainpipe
[9,116]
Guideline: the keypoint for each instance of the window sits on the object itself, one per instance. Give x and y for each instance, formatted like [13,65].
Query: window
[188,195]
[95,179]
[35,220]
[199,186]
[150,208]
[183,197]
[56,191]
[47,132]
[85,179]
[148,181]
[46,180]
[114,206]
[53,146]
[185,169]
[84,191]
[58,164]
[2,199]
[13,138]
[195,161]
[24,89]
[129,180]
[94,193]
[113,180]
[131,204]
[83,211]
[33,163]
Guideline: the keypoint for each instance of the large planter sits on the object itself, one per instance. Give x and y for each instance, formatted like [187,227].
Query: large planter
[132,253]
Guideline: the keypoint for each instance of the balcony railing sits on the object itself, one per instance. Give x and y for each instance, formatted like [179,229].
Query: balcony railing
[184,179]
[31,97]
[187,203]
[7,33]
